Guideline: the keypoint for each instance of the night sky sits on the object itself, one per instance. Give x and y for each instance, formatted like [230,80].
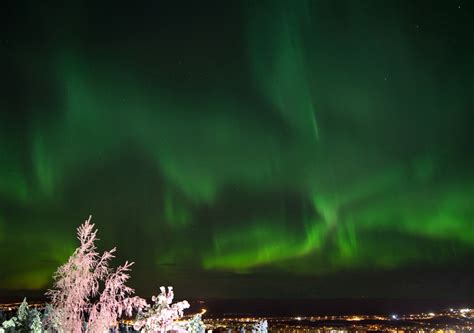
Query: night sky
[242,148]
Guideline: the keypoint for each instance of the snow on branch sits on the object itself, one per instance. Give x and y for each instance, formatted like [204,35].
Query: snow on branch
[77,286]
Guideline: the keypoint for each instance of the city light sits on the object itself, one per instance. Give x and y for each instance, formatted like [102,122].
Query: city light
[449,320]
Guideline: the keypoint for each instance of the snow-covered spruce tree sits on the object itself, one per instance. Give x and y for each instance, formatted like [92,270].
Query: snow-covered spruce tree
[260,327]
[162,316]
[78,304]
[22,322]
[22,314]
[8,326]
[196,325]
[34,321]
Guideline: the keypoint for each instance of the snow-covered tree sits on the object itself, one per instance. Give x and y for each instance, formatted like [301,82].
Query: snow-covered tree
[22,313]
[196,325]
[8,325]
[48,319]
[22,321]
[77,286]
[34,321]
[260,327]
[162,316]
[113,301]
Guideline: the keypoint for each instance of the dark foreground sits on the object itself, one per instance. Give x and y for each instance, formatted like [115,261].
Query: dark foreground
[332,316]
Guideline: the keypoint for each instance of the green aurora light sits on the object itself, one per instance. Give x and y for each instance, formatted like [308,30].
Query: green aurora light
[298,139]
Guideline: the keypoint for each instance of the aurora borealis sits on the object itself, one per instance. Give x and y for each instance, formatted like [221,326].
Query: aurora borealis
[243,148]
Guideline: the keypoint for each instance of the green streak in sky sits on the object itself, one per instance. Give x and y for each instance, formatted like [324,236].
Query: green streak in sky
[444,213]
[43,251]
[44,167]
[261,243]
[306,137]
[13,182]
[175,212]
[277,56]
[34,279]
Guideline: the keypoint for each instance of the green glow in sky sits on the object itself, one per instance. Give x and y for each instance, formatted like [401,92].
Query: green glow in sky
[283,140]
